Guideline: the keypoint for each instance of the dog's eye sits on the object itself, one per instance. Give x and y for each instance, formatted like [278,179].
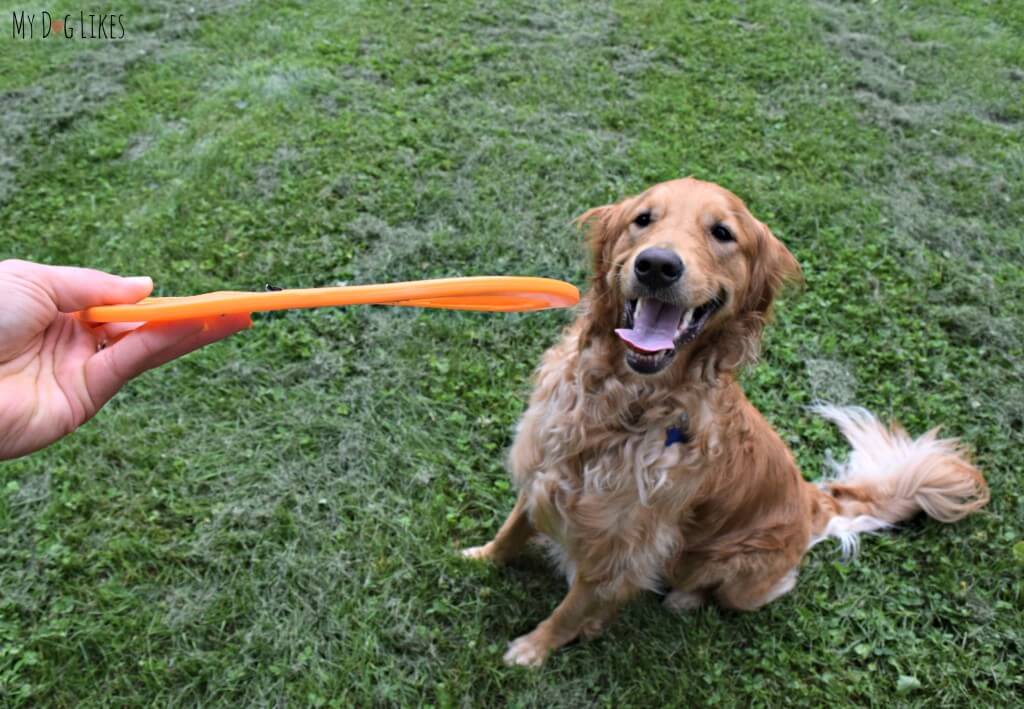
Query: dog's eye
[722,233]
[643,219]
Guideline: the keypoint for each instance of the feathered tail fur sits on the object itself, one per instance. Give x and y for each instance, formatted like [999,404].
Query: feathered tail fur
[890,477]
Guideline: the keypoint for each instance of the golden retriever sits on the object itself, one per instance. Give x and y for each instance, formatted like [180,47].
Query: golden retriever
[640,462]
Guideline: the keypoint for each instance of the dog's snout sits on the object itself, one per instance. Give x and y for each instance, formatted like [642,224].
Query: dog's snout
[658,268]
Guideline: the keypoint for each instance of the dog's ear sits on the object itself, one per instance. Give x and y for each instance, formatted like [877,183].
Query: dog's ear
[603,227]
[772,268]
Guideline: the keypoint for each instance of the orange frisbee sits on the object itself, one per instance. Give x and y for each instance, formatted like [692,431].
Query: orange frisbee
[487,293]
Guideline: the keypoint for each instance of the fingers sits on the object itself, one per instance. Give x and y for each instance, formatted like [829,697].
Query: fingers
[109,369]
[114,331]
[150,346]
[73,288]
[214,329]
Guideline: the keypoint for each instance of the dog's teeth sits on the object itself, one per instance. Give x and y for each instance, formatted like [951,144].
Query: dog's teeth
[686,321]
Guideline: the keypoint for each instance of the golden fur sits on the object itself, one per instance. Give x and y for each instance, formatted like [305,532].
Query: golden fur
[726,515]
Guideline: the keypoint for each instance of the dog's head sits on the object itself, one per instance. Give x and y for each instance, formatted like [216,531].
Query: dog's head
[683,265]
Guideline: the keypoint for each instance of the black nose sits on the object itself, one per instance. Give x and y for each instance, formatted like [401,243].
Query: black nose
[658,268]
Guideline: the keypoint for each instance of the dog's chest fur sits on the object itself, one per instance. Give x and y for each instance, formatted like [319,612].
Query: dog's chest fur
[591,456]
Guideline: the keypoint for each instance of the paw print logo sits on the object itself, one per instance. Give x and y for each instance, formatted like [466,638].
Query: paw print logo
[57,26]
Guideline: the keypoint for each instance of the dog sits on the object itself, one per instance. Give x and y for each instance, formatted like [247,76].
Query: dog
[640,463]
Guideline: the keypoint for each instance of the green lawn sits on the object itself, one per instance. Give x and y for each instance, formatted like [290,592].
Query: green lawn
[273,521]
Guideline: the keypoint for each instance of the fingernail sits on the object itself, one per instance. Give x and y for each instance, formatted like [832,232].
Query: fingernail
[145,281]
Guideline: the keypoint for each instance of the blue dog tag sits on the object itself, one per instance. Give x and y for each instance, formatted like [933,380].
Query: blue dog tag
[674,434]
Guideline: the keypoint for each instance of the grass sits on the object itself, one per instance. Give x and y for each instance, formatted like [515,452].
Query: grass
[273,520]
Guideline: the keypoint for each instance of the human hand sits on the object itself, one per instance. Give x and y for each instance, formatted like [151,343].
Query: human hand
[56,371]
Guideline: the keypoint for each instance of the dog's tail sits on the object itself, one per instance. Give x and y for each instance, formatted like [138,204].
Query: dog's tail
[890,477]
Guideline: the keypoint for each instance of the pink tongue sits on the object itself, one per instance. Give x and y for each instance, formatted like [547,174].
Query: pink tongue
[654,326]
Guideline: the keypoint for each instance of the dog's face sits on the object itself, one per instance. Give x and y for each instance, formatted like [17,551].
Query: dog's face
[678,263]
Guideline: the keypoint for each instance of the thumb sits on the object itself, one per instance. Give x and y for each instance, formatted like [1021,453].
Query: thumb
[72,288]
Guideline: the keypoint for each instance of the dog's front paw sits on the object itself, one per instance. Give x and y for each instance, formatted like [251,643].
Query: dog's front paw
[594,628]
[480,553]
[527,651]
[683,601]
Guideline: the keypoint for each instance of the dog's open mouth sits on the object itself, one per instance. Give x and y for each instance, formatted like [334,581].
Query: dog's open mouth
[653,330]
